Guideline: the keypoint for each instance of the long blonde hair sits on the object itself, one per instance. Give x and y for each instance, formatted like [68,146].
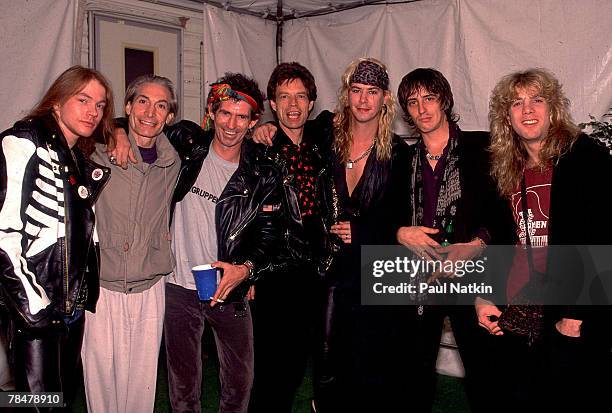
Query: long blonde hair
[508,155]
[343,137]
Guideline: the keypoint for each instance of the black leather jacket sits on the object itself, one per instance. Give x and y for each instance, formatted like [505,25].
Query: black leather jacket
[298,249]
[48,265]
[245,229]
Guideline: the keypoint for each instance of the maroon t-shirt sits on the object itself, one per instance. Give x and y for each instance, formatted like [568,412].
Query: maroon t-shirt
[538,206]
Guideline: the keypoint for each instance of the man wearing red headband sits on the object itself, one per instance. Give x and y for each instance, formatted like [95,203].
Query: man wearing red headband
[225,214]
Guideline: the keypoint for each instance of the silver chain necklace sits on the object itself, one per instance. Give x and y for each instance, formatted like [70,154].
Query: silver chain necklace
[432,157]
[351,162]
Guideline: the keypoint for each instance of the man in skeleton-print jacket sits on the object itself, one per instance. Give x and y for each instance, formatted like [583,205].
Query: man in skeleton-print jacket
[48,267]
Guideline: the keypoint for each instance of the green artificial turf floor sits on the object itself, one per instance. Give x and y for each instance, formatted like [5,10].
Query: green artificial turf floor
[450,396]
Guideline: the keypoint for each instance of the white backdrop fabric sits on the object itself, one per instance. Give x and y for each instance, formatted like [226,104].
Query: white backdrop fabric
[473,42]
[237,43]
[36,46]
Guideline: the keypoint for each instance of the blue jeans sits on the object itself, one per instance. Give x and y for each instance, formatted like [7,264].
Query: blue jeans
[184,323]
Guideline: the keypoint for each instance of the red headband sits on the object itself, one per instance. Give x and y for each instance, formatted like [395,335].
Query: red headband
[223,91]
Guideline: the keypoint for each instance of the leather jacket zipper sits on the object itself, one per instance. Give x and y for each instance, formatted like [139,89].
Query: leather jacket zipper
[246,222]
[89,248]
[67,306]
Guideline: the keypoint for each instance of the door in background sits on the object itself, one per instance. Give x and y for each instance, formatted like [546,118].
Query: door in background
[124,48]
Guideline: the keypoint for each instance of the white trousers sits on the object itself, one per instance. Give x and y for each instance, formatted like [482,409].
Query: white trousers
[120,350]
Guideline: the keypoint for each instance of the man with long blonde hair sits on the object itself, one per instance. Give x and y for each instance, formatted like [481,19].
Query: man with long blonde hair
[354,118]
[555,180]
[365,341]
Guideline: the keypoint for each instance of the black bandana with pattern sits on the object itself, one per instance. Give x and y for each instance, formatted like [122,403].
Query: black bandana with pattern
[369,73]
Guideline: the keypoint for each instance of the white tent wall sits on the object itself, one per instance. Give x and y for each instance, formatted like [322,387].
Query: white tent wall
[237,43]
[572,38]
[37,45]
[473,42]
[42,38]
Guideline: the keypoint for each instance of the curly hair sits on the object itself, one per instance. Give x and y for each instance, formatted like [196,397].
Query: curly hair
[286,72]
[432,81]
[70,83]
[342,122]
[508,155]
[244,84]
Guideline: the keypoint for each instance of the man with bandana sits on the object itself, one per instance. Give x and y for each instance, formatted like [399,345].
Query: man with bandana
[366,342]
[225,213]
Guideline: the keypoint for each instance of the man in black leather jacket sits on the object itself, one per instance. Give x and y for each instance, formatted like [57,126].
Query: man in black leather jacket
[48,266]
[225,209]
[551,179]
[288,301]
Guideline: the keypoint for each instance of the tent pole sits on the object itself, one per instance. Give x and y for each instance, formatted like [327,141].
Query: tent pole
[279,30]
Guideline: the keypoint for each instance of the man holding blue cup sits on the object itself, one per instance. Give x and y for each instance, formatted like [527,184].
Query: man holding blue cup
[225,210]
[206,280]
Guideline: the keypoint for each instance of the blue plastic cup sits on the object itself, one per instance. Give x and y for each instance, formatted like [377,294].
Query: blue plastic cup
[206,281]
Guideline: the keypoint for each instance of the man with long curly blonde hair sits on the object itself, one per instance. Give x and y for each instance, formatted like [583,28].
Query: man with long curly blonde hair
[554,179]
[519,143]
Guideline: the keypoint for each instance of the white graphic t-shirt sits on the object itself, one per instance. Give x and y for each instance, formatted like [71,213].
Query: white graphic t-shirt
[194,240]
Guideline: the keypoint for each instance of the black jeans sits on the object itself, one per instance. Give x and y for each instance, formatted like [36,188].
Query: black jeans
[384,358]
[46,360]
[558,373]
[371,350]
[284,310]
[184,322]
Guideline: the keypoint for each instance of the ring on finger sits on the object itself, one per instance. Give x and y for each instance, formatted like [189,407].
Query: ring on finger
[112,159]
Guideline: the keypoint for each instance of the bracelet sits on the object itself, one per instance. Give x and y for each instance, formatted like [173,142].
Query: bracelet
[251,267]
